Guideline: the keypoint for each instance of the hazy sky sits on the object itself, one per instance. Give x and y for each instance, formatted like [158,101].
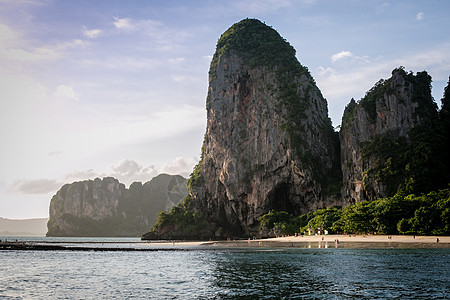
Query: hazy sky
[117,88]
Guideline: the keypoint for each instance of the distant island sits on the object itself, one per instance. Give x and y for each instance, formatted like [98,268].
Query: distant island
[25,227]
[105,207]
[273,164]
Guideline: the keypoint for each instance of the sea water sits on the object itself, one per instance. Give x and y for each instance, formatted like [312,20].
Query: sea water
[250,273]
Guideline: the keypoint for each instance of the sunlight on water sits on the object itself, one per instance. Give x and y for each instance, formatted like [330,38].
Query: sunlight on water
[227,274]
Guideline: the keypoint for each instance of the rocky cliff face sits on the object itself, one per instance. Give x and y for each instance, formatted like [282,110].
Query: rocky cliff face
[106,208]
[269,143]
[388,112]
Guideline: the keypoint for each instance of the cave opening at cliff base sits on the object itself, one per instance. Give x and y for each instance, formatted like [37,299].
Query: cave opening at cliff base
[279,199]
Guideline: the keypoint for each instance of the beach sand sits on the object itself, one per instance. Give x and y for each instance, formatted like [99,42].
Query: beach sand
[366,239]
[316,241]
[322,241]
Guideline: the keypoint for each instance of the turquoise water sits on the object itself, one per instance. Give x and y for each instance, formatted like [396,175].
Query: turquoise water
[227,274]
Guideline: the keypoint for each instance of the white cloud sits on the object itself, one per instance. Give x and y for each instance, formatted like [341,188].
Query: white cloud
[91,33]
[167,123]
[419,16]
[155,33]
[66,92]
[124,23]
[34,186]
[341,55]
[14,47]
[83,175]
[6,35]
[127,168]
[179,166]
[340,84]
[129,171]
[349,56]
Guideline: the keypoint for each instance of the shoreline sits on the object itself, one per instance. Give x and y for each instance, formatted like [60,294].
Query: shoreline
[353,238]
[324,241]
[287,242]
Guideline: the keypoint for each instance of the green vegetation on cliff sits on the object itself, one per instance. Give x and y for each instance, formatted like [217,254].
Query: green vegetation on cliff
[182,222]
[258,43]
[423,215]
[420,94]
[408,164]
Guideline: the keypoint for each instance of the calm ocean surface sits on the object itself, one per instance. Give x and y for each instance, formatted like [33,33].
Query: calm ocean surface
[226,273]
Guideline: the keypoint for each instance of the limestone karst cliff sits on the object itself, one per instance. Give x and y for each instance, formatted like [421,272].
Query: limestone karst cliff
[269,144]
[107,208]
[384,135]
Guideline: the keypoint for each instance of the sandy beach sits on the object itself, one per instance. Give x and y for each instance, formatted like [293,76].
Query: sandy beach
[321,241]
[316,241]
[365,239]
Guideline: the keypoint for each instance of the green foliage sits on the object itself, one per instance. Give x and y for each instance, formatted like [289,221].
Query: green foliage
[391,160]
[272,217]
[357,218]
[431,215]
[414,164]
[183,219]
[421,94]
[408,167]
[444,129]
[280,223]
[425,214]
[260,44]
[196,178]
[422,215]
[349,113]
[323,219]
[371,97]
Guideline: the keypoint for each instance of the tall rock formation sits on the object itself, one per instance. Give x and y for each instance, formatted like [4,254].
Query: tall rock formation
[269,142]
[377,135]
[106,208]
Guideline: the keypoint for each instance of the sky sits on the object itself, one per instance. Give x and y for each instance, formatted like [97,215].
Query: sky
[118,88]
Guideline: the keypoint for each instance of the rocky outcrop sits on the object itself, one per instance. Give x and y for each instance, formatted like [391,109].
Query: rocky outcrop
[388,112]
[269,143]
[107,208]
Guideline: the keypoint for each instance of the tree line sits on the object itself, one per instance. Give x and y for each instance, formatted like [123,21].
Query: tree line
[427,214]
